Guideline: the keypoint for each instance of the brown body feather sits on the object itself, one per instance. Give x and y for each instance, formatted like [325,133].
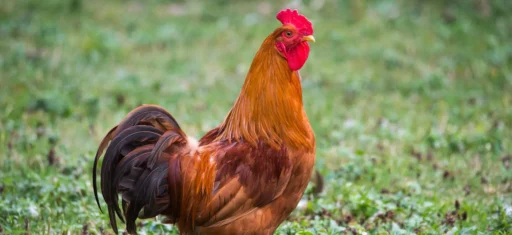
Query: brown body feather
[245,177]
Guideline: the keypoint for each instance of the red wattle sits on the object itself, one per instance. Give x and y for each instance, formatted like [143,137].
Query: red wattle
[297,56]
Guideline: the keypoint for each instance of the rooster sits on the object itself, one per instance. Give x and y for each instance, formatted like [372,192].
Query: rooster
[243,177]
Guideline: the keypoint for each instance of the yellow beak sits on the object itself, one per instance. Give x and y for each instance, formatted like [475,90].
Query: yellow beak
[309,38]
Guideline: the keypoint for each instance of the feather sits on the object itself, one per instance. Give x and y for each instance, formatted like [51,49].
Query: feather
[167,139]
[175,187]
[133,150]
[112,158]
[101,148]
[152,114]
[146,191]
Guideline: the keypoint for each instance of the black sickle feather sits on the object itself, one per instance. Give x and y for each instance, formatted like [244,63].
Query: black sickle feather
[146,112]
[168,138]
[112,217]
[133,159]
[135,146]
[175,185]
[130,213]
[156,185]
[135,205]
[102,146]
[149,112]
[112,158]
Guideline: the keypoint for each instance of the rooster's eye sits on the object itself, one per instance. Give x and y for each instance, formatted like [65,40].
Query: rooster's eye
[288,34]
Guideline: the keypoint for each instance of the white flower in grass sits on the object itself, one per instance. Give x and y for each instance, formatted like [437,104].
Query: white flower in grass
[33,210]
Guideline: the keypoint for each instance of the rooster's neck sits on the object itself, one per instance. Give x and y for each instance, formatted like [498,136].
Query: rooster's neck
[269,107]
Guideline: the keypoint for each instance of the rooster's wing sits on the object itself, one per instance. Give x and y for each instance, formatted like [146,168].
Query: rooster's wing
[247,178]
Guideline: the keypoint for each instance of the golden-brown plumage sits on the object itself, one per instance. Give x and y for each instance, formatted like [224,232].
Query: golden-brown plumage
[245,176]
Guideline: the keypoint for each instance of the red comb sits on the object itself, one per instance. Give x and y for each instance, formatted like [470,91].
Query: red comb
[294,18]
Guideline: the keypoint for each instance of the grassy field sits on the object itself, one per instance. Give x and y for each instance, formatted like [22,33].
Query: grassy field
[410,101]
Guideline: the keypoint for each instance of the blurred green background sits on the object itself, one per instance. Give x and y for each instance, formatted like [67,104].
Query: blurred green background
[410,101]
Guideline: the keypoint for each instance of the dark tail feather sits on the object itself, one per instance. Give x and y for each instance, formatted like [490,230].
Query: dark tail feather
[145,193]
[167,139]
[102,147]
[137,134]
[142,164]
[175,186]
[153,114]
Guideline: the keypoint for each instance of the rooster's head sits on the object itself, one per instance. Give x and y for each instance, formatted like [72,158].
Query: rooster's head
[292,38]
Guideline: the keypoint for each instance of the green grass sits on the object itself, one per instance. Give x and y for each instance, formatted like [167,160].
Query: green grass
[410,101]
